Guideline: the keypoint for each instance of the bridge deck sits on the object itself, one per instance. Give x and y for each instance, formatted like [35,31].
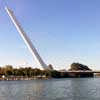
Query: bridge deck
[80,71]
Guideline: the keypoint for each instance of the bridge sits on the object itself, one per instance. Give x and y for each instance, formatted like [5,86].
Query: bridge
[80,71]
[32,48]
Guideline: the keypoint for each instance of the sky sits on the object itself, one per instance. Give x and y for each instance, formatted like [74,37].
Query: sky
[63,32]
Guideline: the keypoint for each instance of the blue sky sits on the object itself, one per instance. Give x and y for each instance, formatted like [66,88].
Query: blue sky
[63,31]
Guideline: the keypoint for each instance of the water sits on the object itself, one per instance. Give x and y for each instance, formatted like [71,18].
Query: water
[53,89]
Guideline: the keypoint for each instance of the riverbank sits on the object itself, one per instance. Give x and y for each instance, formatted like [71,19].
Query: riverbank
[15,78]
[8,72]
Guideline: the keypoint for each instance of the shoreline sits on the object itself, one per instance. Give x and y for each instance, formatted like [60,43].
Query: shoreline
[37,78]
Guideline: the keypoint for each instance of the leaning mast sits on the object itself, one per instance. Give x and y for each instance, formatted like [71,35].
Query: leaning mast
[26,39]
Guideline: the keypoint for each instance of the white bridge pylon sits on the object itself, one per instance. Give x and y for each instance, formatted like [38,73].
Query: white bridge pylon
[27,41]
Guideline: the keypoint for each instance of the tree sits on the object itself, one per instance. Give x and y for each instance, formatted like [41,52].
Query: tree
[50,66]
[8,70]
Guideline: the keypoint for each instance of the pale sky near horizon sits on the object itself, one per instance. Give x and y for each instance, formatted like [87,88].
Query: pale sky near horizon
[63,31]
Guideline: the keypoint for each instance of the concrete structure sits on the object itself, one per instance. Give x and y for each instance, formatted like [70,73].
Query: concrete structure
[26,40]
[80,71]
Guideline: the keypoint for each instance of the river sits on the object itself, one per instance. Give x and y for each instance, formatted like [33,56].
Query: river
[53,89]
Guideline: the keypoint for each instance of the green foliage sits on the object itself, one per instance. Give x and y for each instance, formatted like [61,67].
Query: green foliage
[26,72]
[55,74]
[9,70]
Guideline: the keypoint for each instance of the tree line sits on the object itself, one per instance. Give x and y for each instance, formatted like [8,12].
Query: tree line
[9,70]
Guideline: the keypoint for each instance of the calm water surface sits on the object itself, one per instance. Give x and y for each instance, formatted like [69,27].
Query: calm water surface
[54,89]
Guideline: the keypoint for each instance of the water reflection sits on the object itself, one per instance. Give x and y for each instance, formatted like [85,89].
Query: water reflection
[54,89]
